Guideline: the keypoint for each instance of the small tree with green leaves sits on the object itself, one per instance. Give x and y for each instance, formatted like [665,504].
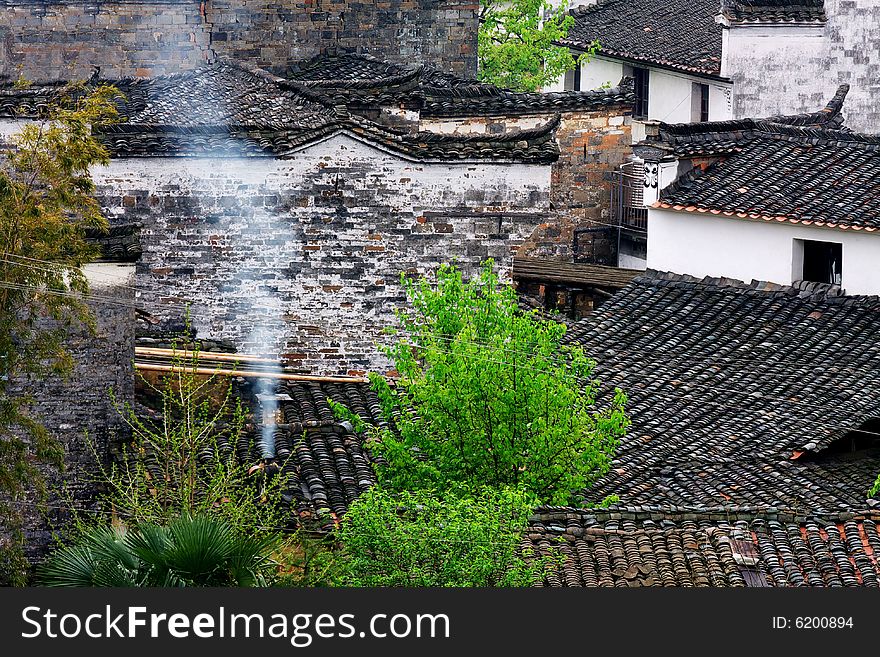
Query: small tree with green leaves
[420,539]
[518,43]
[875,489]
[489,395]
[193,457]
[46,207]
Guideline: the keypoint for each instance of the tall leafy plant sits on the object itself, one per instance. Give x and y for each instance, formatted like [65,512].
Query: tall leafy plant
[488,394]
[193,457]
[46,207]
[518,43]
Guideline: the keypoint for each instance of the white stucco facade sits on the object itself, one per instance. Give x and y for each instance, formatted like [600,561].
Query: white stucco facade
[672,95]
[703,244]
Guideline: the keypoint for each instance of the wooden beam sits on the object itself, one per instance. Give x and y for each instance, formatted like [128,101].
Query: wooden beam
[203,355]
[573,273]
[254,374]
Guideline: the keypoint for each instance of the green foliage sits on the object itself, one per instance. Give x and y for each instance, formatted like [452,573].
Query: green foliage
[489,395]
[875,489]
[46,204]
[420,539]
[307,560]
[186,463]
[189,551]
[516,43]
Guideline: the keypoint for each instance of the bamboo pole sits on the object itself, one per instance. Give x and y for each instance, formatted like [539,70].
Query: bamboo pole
[203,355]
[256,374]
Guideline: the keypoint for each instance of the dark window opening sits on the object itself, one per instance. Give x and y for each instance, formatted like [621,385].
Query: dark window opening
[858,441]
[823,262]
[704,102]
[641,78]
[577,77]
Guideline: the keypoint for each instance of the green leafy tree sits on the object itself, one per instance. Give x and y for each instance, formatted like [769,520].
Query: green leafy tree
[517,43]
[420,539]
[189,551]
[46,206]
[875,489]
[489,395]
[192,457]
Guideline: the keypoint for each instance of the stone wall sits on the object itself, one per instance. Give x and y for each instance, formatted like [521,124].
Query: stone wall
[51,39]
[592,145]
[78,406]
[790,69]
[310,249]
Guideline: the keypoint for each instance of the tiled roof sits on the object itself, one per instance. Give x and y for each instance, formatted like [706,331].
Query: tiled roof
[688,549]
[227,109]
[357,80]
[796,175]
[774,11]
[678,34]
[325,461]
[737,392]
[120,243]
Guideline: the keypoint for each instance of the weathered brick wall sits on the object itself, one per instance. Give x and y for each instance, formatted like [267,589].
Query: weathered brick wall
[311,248]
[592,145]
[50,39]
[78,406]
[792,70]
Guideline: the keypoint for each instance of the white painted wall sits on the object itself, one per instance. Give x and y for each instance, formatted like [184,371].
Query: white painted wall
[600,71]
[703,244]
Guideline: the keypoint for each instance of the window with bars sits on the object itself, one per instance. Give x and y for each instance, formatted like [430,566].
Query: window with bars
[641,77]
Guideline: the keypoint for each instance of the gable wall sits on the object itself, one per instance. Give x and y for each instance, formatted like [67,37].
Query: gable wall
[311,248]
[789,70]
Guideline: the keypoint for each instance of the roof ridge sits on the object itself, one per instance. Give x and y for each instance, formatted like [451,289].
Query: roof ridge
[712,513]
[803,289]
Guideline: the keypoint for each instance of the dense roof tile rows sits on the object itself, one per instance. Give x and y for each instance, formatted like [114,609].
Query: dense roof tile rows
[620,548]
[356,80]
[677,34]
[738,393]
[324,461]
[800,175]
[804,168]
[227,109]
[774,11]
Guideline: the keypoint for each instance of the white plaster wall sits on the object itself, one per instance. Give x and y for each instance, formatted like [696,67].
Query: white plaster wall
[794,69]
[702,244]
[600,71]
[480,125]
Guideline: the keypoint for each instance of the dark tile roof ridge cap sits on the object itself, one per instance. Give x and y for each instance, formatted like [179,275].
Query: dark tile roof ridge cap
[786,11]
[733,513]
[599,5]
[818,135]
[803,289]
[361,83]
[828,114]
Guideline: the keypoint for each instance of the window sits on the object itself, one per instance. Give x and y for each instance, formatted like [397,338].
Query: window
[573,79]
[641,78]
[820,262]
[699,102]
